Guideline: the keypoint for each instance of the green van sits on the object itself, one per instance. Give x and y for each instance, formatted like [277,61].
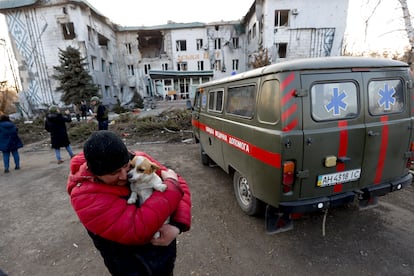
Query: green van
[308,135]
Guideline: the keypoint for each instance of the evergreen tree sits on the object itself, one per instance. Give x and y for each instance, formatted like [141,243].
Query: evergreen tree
[75,82]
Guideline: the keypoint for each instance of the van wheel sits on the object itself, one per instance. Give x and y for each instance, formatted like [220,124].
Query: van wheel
[205,159]
[247,202]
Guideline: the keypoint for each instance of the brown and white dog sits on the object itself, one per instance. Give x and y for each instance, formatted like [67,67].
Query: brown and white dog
[143,181]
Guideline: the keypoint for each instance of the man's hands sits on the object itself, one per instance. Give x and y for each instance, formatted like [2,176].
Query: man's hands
[168,234]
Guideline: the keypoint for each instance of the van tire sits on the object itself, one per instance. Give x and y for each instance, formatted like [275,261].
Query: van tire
[247,202]
[205,159]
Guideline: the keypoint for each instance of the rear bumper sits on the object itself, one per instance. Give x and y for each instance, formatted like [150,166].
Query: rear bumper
[321,203]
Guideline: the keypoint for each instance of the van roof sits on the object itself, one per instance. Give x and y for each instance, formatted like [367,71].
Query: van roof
[313,64]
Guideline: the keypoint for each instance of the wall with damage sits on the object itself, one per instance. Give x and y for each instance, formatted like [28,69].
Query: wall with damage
[39,31]
[291,29]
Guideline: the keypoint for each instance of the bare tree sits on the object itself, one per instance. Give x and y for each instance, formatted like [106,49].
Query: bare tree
[409,29]
[366,21]
[261,59]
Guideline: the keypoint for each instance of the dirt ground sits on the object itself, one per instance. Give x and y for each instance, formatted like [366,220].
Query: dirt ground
[41,235]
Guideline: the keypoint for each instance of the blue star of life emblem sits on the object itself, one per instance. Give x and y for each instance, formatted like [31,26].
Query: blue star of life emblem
[337,102]
[386,97]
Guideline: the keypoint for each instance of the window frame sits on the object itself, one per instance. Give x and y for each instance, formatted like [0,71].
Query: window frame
[243,106]
[215,100]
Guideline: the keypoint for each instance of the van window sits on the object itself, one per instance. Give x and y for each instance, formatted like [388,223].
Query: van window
[268,107]
[197,98]
[215,101]
[334,101]
[241,100]
[385,97]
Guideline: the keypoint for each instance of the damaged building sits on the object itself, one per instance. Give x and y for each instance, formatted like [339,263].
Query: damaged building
[166,61]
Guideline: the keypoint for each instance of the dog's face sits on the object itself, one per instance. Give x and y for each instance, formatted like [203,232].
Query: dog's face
[141,170]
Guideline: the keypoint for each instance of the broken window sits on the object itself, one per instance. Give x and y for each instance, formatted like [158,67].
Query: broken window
[281,49]
[93,59]
[90,34]
[235,64]
[182,66]
[217,43]
[68,30]
[281,18]
[147,67]
[200,65]
[254,30]
[199,43]
[235,41]
[131,70]
[181,45]
[102,40]
[128,48]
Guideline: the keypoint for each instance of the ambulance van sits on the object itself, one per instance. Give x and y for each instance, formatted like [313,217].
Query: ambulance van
[308,135]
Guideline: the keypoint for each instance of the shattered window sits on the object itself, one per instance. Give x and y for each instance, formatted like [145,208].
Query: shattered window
[181,45]
[68,30]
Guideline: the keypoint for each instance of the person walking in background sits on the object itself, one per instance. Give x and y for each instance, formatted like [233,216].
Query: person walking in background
[55,124]
[9,142]
[84,110]
[100,113]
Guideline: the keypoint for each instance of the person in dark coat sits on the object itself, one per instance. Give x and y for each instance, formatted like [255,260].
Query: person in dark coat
[100,113]
[84,110]
[9,142]
[55,124]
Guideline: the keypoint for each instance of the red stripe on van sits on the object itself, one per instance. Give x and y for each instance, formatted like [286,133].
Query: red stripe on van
[383,150]
[291,125]
[287,81]
[342,151]
[291,110]
[343,144]
[286,98]
[270,158]
[289,113]
[195,123]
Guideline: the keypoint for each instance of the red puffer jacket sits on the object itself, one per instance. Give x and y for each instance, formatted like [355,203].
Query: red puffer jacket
[104,211]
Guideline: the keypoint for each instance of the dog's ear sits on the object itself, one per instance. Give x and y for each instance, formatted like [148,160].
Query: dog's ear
[154,167]
[132,162]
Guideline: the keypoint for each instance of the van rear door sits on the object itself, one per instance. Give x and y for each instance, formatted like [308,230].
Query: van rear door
[334,133]
[388,127]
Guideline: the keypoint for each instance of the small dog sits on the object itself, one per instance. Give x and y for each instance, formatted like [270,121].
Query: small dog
[143,181]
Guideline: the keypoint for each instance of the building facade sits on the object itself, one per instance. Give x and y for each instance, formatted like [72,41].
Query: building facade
[167,61]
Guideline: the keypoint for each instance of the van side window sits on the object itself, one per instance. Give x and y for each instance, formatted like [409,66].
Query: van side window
[241,100]
[215,101]
[268,106]
[385,97]
[197,98]
[334,101]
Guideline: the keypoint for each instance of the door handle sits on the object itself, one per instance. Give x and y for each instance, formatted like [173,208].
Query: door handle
[373,133]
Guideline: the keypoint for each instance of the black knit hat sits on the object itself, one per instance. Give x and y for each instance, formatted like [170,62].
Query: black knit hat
[105,152]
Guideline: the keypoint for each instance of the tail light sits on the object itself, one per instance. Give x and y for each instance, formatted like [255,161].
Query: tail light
[288,176]
[411,158]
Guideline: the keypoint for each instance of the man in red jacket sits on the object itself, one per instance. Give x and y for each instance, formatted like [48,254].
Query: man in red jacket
[123,233]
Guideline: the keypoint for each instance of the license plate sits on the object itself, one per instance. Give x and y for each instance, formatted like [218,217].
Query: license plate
[326,180]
